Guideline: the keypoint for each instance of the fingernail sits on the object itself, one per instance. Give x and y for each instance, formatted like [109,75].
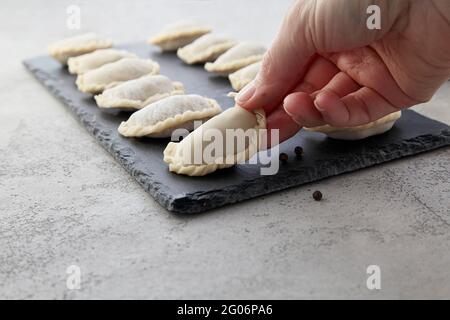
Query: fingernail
[245,94]
[317,105]
[290,113]
[286,108]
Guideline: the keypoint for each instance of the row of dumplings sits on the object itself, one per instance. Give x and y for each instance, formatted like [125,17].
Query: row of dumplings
[222,55]
[120,79]
[194,43]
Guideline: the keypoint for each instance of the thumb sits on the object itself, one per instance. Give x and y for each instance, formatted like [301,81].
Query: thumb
[284,64]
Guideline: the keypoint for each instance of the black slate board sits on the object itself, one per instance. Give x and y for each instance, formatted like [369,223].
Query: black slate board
[143,158]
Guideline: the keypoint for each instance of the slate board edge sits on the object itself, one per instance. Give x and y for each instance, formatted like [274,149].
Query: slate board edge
[148,183]
[292,178]
[203,201]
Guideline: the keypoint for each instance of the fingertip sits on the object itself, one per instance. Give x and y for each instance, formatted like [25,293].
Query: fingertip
[299,105]
[293,101]
[324,100]
[262,96]
[333,111]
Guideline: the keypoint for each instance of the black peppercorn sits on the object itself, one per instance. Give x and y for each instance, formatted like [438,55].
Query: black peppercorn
[283,157]
[317,195]
[298,151]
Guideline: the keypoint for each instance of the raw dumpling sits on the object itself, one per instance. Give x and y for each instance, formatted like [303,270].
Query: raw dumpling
[161,118]
[206,48]
[112,74]
[360,132]
[93,60]
[242,77]
[137,93]
[237,58]
[78,45]
[179,34]
[187,157]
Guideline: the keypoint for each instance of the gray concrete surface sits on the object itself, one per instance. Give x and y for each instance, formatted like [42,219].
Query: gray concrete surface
[64,200]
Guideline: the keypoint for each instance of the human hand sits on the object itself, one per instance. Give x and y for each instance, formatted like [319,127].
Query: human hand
[326,67]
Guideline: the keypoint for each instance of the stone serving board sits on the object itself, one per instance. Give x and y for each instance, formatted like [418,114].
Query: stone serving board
[143,158]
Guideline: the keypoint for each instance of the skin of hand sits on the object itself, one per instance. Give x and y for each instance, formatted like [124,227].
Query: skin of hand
[326,66]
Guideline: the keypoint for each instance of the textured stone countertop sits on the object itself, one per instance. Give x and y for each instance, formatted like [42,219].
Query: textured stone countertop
[64,200]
